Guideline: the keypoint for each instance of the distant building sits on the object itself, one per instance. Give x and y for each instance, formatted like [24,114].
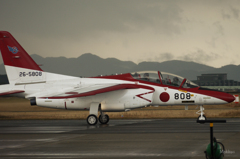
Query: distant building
[212,77]
[218,81]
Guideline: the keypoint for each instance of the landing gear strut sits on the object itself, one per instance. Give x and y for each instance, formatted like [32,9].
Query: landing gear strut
[92,119]
[103,118]
[200,113]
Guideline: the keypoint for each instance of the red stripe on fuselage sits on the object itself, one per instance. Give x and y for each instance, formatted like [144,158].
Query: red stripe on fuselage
[217,94]
[104,90]
[140,96]
[11,92]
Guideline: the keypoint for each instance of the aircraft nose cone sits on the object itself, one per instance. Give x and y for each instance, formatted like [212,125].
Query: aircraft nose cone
[228,97]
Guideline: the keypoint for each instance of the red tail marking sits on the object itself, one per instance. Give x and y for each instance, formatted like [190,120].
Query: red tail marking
[11,49]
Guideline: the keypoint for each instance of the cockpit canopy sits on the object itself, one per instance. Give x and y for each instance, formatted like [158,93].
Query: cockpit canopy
[164,78]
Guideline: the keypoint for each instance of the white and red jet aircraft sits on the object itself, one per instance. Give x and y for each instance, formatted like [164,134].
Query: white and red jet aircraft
[105,94]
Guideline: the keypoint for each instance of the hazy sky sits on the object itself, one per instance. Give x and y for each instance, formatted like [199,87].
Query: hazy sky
[203,31]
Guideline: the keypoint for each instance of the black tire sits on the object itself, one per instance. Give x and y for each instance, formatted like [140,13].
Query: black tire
[92,119]
[103,120]
[203,116]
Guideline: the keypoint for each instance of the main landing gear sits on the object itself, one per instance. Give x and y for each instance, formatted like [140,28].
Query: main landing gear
[200,113]
[103,119]
[92,119]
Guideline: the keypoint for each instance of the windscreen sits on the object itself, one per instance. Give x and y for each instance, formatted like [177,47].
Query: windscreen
[189,84]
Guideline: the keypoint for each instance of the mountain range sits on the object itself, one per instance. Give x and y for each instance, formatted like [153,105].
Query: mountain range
[88,65]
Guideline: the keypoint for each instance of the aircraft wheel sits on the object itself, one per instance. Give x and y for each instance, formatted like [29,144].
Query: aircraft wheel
[202,118]
[104,119]
[92,119]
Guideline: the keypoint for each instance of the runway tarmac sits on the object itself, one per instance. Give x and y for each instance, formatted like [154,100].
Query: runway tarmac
[148,138]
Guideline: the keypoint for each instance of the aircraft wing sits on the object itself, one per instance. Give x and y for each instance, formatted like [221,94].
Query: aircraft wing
[11,92]
[97,89]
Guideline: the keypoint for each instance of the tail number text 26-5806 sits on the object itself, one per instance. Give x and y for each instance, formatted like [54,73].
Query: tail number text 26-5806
[182,96]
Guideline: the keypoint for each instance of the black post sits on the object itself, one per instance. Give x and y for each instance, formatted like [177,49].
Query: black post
[211,139]
[211,131]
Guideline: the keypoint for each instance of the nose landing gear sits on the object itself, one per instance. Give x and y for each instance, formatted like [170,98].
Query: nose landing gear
[200,113]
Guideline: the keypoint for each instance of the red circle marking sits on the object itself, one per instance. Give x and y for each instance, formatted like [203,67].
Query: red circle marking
[164,97]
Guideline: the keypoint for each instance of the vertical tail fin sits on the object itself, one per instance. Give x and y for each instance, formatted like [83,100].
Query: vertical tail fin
[20,67]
